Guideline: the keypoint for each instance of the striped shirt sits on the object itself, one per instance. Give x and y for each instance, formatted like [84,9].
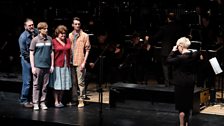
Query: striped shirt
[42,48]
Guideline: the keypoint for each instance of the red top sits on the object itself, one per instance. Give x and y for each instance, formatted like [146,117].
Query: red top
[60,51]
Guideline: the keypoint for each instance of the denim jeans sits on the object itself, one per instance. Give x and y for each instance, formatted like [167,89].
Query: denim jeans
[26,77]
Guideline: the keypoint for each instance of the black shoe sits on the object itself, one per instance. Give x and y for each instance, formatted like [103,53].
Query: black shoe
[213,103]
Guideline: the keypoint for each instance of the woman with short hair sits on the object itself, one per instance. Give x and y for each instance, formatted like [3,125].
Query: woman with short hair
[184,63]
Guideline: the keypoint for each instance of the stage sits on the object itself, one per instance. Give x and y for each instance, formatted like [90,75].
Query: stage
[131,113]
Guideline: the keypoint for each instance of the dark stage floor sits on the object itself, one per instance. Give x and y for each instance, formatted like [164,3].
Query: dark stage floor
[135,113]
[130,113]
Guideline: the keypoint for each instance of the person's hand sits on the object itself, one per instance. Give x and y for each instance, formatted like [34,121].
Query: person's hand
[82,66]
[148,47]
[91,65]
[201,57]
[34,71]
[51,69]
[117,50]
[175,48]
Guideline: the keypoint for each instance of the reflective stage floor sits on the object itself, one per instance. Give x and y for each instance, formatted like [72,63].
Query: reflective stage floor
[130,113]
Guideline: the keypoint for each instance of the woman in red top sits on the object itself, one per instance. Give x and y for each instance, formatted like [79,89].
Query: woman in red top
[61,77]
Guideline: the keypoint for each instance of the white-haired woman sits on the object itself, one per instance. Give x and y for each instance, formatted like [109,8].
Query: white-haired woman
[184,63]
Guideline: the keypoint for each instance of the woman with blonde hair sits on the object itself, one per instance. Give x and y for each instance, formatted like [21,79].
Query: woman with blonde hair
[184,63]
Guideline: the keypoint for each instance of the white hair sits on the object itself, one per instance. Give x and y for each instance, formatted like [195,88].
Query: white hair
[185,42]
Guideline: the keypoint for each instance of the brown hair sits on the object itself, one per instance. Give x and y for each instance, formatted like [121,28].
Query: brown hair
[76,18]
[42,25]
[60,29]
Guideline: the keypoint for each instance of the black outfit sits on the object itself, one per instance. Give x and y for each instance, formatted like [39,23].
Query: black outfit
[184,73]
[133,64]
[168,35]
[209,35]
[99,51]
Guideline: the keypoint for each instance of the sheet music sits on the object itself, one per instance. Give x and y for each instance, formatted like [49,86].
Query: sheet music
[215,65]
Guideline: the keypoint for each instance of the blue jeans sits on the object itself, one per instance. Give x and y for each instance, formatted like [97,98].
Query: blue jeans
[26,77]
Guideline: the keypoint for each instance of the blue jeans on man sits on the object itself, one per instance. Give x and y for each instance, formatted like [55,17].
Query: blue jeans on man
[26,85]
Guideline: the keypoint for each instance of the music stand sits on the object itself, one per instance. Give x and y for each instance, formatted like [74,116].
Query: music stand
[196,45]
[100,90]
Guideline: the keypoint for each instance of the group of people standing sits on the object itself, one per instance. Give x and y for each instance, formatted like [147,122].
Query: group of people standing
[58,63]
